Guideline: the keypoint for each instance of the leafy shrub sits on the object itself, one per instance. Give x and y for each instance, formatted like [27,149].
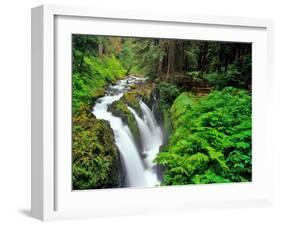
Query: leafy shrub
[194,74]
[91,79]
[232,76]
[211,139]
[168,93]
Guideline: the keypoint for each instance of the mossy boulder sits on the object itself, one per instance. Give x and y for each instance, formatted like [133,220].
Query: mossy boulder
[145,92]
[97,94]
[132,99]
[119,108]
[180,106]
[140,92]
[96,159]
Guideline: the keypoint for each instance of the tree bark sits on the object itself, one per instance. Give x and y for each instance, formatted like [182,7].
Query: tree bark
[85,43]
[205,56]
[171,57]
[100,49]
[181,56]
[160,65]
[129,69]
[100,46]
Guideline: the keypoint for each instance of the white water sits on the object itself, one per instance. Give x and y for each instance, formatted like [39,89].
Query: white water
[150,132]
[137,175]
[151,139]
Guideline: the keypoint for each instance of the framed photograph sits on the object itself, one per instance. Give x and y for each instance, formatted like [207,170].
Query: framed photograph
[136,112]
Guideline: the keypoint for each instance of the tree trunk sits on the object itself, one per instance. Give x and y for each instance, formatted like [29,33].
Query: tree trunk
[171,57]
[220,60]
[100,45]
[185,57]
[181,56]
[129,69]
[204,56]
[160,64]
[85,44]
[100,49]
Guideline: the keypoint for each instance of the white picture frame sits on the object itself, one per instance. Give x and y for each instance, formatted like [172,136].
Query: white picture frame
[52,197]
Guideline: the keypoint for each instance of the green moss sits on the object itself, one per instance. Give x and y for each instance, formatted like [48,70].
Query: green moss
[145,91]
[96,158]
[97,93]
[167,124]
[132,97]
[180,106]
[120,109]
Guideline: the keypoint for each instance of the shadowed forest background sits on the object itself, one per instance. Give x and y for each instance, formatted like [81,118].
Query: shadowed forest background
[199,93]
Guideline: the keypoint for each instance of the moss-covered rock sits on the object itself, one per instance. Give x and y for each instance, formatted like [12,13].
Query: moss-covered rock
[140,92]
[180,106]
[97,94]
[145,92]
[120,109]
[132,98]
[96,159]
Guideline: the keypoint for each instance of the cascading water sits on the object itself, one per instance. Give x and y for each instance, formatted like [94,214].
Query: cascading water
[151,139]
[138,173]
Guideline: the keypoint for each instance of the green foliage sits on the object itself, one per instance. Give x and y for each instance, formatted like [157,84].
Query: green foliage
[148,53]
[222,79]
[211,139]
[234,76]
[209,177]
[168,92]
[180,106]
[89,83]
[167,123]
[128,57]
[192,55]
[96,160]
[194,74]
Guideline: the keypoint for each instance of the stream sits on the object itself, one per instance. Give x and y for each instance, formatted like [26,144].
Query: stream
[140,171]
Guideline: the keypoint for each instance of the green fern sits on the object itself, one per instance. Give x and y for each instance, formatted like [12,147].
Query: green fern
[211,139]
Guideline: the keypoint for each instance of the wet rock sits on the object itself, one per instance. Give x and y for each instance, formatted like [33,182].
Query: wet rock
[120,109]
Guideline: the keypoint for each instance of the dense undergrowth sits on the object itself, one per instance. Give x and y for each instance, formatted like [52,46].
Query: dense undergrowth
[89,83]
[211,139]
[96,159]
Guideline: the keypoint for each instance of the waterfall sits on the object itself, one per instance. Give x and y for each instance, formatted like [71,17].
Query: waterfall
[124,141]
[137,175]
[151,140]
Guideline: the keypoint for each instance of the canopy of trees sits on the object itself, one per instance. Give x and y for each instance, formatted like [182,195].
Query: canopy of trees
[220,63]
